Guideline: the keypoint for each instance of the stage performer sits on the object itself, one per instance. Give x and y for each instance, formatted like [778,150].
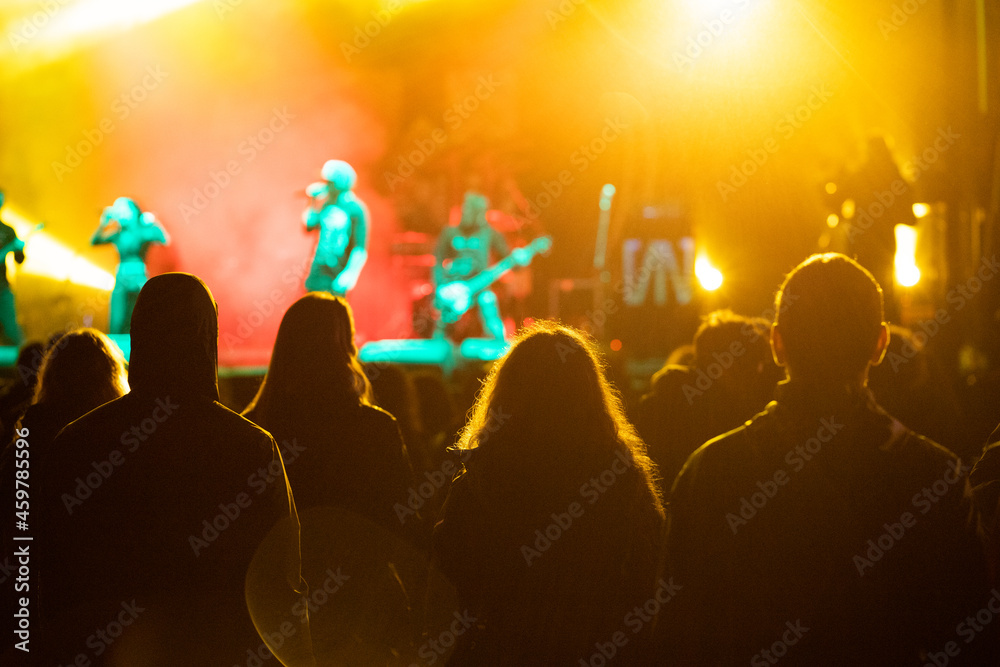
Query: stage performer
[462,252]
[9,242]
[131,231]
[343,222]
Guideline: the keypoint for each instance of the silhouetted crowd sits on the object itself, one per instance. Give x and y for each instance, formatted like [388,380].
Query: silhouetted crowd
[770,500]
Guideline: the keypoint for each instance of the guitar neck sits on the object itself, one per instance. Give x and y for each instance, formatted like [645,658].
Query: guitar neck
[490,275]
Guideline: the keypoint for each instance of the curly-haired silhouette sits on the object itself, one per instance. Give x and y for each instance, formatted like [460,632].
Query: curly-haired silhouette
[154,514]
[551,535]
[823,529]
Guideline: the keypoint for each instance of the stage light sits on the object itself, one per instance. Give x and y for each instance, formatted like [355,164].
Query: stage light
[831,188]
[45,256]
[90,16]
[907,273]
[847,209]
[921,210]
[832,220]
[709,277]
[615,345]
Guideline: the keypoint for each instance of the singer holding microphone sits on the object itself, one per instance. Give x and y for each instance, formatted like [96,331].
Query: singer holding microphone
[343,223]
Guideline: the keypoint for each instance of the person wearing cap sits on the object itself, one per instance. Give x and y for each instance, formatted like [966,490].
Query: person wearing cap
[343,222]
[131,231]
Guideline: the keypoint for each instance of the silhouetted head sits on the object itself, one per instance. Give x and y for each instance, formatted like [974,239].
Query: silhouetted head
[175,337]
[339,174]
[315,360]
[82,368]
[474,210]
[29,360]
[828,326]
[394,392]
[437,408]
[734,350]
[549,403]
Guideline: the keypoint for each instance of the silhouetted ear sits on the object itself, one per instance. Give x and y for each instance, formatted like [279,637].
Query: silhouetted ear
[777,346]
[883,344]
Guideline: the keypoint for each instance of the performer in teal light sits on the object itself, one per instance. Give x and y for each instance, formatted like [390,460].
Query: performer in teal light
[8,317]
[462,252]
[343,222]
[124,225]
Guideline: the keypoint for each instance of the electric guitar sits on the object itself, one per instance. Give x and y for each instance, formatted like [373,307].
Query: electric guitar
[453,299]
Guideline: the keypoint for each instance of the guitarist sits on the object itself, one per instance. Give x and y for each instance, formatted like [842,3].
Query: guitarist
[464,251]
[8,317]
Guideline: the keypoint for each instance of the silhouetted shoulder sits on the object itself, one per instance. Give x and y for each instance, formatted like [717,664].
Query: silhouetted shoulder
[236,421]
[378,420]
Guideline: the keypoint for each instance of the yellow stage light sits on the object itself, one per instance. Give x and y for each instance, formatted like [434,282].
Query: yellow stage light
[921,210]
[832,220]
[907,273]
[46,256]
[90,16]
[709,277]
[847,209]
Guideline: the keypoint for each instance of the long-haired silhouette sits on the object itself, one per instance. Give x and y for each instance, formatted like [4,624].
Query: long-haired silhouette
[552,533]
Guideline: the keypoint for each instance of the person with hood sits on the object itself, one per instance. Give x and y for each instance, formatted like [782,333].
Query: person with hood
[167,529]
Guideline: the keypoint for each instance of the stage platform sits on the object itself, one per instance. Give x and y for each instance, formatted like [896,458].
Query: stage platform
[416,352]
